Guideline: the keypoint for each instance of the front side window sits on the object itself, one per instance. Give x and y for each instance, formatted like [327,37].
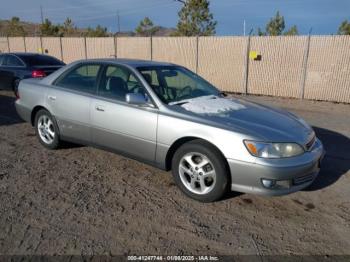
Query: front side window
[11,60]
[117,81]
[82,78]
[175,83]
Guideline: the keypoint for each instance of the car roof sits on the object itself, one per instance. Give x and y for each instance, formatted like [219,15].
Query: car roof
[24,54]
[126,61]
[129,62]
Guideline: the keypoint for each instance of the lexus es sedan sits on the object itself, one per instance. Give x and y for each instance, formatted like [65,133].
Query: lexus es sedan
[17,66]
[165,115]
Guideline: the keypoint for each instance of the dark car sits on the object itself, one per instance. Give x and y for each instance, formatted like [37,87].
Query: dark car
[17,66]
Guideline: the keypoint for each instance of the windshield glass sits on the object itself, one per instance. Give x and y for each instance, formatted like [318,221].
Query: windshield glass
[174,83]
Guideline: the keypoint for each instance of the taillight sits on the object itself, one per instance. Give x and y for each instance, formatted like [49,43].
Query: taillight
[38,73]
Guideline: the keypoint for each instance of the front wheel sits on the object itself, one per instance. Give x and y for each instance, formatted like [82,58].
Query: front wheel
[46,129]
[200,171]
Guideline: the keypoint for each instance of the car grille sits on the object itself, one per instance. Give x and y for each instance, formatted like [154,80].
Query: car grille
[310,144]
[303,179]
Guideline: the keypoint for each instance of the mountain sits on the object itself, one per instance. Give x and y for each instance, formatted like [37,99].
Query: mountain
[33,29]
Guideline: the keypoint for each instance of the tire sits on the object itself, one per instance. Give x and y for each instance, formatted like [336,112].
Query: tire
[15,85]
[46,129]
[200,171]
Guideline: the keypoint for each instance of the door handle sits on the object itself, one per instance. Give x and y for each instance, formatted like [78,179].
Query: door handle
[53,98]
[100,108]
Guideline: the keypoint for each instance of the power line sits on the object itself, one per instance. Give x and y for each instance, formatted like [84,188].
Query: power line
[127,12]
[86,17]
[100,3]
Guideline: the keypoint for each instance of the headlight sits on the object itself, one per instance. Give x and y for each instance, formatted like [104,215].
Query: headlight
[273,150]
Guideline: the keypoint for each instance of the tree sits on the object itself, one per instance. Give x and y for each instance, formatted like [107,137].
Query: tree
[276,27]
[68,27]
[146,27]
[49,29]
[15,28]
[292,31]
[195,19]
[344,28]
[260,32]
[99,31]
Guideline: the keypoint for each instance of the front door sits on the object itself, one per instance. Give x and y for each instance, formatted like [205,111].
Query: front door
[118,125]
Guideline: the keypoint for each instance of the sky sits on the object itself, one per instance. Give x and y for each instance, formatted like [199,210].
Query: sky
[323,16]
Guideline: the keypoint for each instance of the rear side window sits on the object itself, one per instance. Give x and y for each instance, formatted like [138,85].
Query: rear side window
[41,60]
[82,78]
[11,60]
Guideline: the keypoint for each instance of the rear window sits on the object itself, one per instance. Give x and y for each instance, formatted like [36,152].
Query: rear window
[41,60]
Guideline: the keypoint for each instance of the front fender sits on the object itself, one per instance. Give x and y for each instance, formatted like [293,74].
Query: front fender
[171,129]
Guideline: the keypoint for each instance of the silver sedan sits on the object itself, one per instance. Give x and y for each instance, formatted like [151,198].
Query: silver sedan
[167,116]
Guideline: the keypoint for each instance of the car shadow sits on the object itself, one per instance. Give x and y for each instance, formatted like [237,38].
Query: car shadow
[336,161]
[8,114]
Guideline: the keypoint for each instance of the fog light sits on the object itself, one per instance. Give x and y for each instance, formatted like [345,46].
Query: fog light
[268,183]
[284,183]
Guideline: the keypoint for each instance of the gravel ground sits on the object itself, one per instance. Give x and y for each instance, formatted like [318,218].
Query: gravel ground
[81,200]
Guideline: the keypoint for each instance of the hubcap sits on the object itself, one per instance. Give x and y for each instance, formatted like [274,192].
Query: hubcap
[46,129]
[197,173]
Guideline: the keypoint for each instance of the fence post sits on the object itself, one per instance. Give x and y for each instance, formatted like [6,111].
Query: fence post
[85,47]
[197,53]
[304,69]
[61,48]
[41,44]
[115,47]
[151,39]
[8,44]
[24,43]
[246,65]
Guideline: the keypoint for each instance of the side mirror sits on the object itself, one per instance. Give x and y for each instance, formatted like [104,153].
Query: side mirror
[137,99]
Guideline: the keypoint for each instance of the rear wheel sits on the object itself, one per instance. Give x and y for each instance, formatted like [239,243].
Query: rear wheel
[46,129]
[15,85]
[200,171]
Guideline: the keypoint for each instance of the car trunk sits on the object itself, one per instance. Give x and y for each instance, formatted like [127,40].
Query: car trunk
[47,69]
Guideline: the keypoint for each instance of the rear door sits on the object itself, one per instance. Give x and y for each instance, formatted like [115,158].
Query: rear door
[69,101]
[11,68]
[117,125]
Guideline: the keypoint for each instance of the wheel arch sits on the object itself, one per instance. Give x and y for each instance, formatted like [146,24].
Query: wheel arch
[183,140]
[35,110]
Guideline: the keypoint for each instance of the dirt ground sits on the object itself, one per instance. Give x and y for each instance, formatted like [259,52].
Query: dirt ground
[81,200]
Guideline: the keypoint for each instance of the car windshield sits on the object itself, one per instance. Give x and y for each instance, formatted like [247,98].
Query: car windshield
[41,60]
[176,84]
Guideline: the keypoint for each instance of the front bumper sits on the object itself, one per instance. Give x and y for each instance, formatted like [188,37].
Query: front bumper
[289,174]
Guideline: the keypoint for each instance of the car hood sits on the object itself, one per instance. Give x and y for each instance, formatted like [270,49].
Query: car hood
[258,121]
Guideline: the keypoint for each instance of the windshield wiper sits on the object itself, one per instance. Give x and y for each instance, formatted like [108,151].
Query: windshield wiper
[181,102]
[185,101]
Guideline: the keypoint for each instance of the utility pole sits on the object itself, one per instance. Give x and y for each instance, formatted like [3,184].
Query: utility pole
[244,27]
[41,14]
[118,22]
